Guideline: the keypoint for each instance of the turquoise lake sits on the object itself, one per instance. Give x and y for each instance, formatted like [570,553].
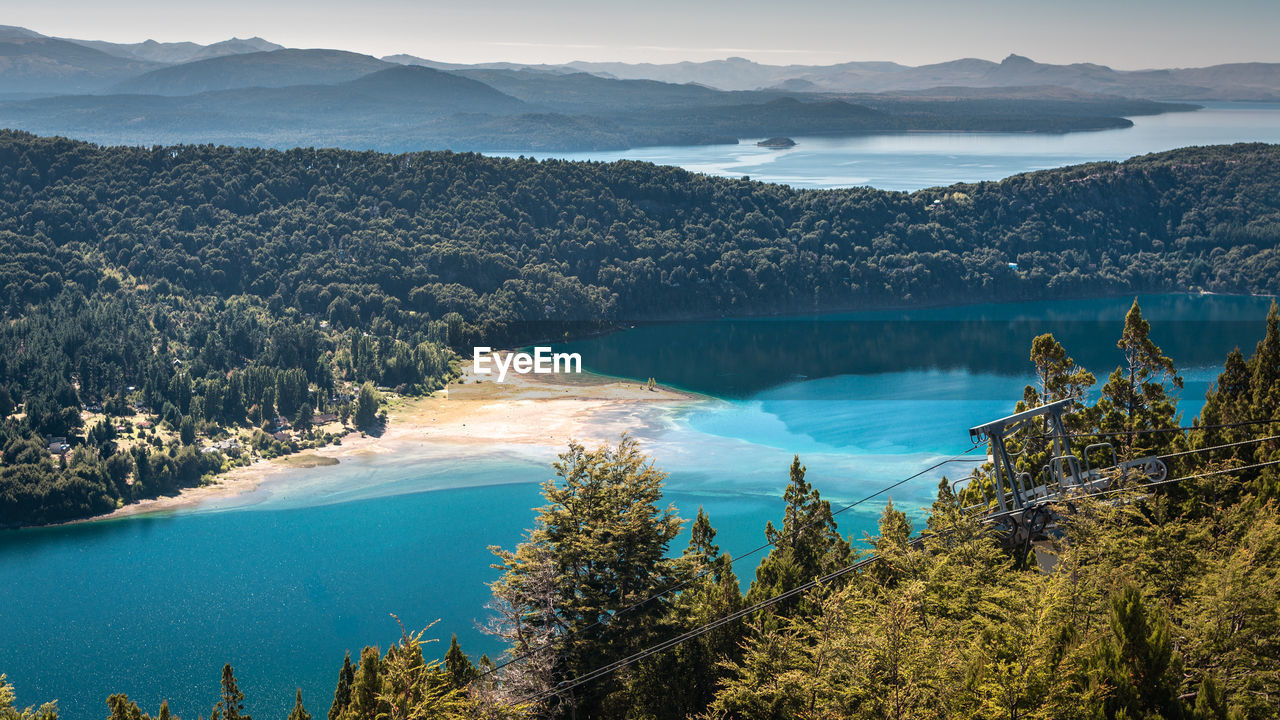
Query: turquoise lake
[912,161]
[281,581]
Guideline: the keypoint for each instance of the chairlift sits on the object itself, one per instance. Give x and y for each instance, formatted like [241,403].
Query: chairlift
[1021,500]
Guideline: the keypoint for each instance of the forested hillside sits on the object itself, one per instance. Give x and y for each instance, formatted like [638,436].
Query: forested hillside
[210,288]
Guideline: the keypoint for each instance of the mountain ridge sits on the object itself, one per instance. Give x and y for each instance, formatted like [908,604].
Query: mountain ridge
[274,68]
[1229,81]
[180,52]
[34,63]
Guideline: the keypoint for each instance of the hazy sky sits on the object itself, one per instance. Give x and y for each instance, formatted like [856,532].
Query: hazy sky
[1121,33]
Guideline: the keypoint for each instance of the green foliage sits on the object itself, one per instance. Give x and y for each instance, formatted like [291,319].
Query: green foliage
[413,689]
[807,546]
[1231,616]
[598,546]
[342,693]
[1134,398]
[9,711]
[1246,391]
[1057,373]
[401,685]
[367,402]
[231,704]
[187,431]
[1136,664]
[682,682]
[458,666]
[1141,605]
[122,708]
[957,626]
[299,712]
[366,688]
[106,277]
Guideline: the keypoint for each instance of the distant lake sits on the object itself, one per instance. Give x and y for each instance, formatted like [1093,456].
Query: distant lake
[911,161]
[281,581]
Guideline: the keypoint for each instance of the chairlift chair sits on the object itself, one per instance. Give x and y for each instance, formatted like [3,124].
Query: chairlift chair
[1022,501]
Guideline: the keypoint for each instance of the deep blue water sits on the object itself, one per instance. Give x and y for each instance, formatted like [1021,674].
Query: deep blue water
[282,582]
[912,161]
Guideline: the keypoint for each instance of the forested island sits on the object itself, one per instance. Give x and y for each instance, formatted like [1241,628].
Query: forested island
[1145,602]
[171,311]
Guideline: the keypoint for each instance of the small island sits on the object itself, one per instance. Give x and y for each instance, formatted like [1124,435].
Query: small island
[777,142]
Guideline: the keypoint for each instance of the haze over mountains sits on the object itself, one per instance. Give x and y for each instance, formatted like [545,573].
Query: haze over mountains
[180,52]
[1240,81]
[254,92]
[279,68]
[32,63]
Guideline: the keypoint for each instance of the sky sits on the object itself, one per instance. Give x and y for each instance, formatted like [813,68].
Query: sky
[1125,34]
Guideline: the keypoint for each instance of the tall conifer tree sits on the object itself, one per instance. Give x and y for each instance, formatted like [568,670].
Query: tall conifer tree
[342,693]
[299,712]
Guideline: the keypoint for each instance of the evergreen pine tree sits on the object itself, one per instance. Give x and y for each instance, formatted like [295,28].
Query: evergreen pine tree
[231,706]
[458,665]
[413,689]
[342,693]
[187,431]
[1210,705]
[1265,381]
[365,687]
[891,546]
[702,551]
[1057,374]
[807,545]
[1136,663]
[1229,401]
[599,546]
[1057,378]
[1134,397]
[682,682]
[1265,367]
[299,712]
[122,708]
[366,413]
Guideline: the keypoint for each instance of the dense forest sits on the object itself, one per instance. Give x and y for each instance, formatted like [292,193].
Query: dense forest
[170,311]
[1151,602]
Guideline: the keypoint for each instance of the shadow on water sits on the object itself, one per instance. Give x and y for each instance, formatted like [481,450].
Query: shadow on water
[741,357]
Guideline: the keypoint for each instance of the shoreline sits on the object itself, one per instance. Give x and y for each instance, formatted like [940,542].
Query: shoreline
[470,415]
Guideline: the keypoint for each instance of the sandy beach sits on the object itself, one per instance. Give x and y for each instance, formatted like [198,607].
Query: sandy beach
[473,414]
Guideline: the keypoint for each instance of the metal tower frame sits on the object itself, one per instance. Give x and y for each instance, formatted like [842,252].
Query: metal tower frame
[1021,499]
[1009,490]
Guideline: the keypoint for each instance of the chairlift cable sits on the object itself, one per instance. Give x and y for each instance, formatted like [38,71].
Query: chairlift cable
[713,568]
[768,602]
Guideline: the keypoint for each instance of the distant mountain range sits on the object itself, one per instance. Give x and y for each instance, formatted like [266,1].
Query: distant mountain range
[1238,81]
[276,68]
[254,92]
[180,52]
[31,63]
